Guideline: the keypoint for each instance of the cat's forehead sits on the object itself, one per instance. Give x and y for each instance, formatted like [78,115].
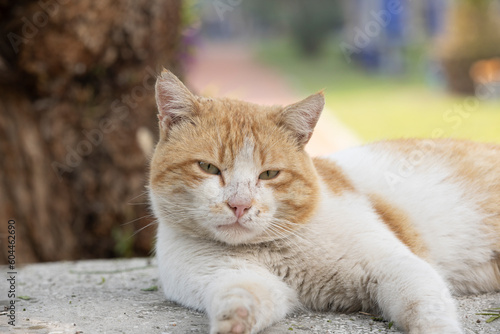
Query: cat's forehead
[238,118]
[224,108]
[245,161]
[239,128]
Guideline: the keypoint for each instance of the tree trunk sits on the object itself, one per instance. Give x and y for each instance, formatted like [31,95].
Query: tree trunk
[77,112]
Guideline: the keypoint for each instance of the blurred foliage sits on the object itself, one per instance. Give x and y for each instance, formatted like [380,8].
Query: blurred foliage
[477,3]
[312,23]
[309,23]
[190,28]
[190,13]
[383,107]
[124,241]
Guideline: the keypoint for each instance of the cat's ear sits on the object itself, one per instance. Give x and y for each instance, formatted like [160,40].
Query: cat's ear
[175,102]
[301,117]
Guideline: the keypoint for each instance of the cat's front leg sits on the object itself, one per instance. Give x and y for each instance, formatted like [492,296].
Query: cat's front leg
[247,301]
[415,296]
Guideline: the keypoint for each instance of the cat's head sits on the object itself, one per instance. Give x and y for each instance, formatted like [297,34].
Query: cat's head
[229,170]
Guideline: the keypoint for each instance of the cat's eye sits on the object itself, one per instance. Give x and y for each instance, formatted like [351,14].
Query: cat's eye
[209,168]
[269,174]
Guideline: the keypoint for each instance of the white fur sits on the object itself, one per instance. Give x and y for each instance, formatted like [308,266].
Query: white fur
[204,277]
[344,256]
[448,221]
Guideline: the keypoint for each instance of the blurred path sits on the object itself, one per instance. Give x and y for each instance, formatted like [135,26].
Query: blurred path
[221,69]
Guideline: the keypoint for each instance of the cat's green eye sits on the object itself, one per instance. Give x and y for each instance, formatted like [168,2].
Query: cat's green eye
[269,174]
[209,168]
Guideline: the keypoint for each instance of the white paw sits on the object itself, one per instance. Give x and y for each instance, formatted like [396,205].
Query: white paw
[238,321]
[235,314]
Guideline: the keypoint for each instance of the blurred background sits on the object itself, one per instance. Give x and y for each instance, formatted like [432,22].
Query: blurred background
[78,117]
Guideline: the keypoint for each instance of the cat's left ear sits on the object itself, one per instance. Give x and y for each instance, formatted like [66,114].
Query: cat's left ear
[301,117]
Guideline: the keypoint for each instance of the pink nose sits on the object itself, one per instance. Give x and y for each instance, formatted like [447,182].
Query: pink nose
[239,209]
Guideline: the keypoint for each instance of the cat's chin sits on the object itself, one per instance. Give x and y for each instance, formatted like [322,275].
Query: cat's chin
[235,233]
[236,226]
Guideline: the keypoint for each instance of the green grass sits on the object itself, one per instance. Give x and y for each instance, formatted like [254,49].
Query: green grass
[382,107]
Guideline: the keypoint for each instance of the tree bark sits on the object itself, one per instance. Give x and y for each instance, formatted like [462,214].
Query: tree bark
[77,114]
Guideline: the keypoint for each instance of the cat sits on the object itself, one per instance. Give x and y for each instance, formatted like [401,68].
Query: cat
[250,228]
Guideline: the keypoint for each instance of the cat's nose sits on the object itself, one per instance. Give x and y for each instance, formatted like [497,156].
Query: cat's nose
[239,208]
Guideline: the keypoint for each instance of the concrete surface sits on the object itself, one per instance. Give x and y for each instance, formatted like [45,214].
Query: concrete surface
[106,296]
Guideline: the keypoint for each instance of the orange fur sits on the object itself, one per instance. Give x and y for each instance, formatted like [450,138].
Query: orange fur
[400,224]
[475,167]
[238,230]
[333,176]
[216,132]
[394,218]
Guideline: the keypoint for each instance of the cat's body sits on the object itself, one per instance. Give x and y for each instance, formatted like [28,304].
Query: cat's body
[390,227]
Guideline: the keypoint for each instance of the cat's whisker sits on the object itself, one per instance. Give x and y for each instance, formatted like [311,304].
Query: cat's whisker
[285,234]
[292,232]
[134,220]
[182,208]
[164,199]
[285,223]
[144,227]
[135,197]
[283,242]
[176,220]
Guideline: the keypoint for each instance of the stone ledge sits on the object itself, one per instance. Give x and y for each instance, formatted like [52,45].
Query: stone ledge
[107,296]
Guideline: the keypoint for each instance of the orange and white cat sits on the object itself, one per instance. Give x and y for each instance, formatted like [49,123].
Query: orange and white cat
[251,228]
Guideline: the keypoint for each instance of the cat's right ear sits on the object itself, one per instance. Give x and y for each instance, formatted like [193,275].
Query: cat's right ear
[301,117]
[175,102]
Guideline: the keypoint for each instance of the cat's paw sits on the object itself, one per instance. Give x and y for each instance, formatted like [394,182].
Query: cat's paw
[238,321]
[235,314]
